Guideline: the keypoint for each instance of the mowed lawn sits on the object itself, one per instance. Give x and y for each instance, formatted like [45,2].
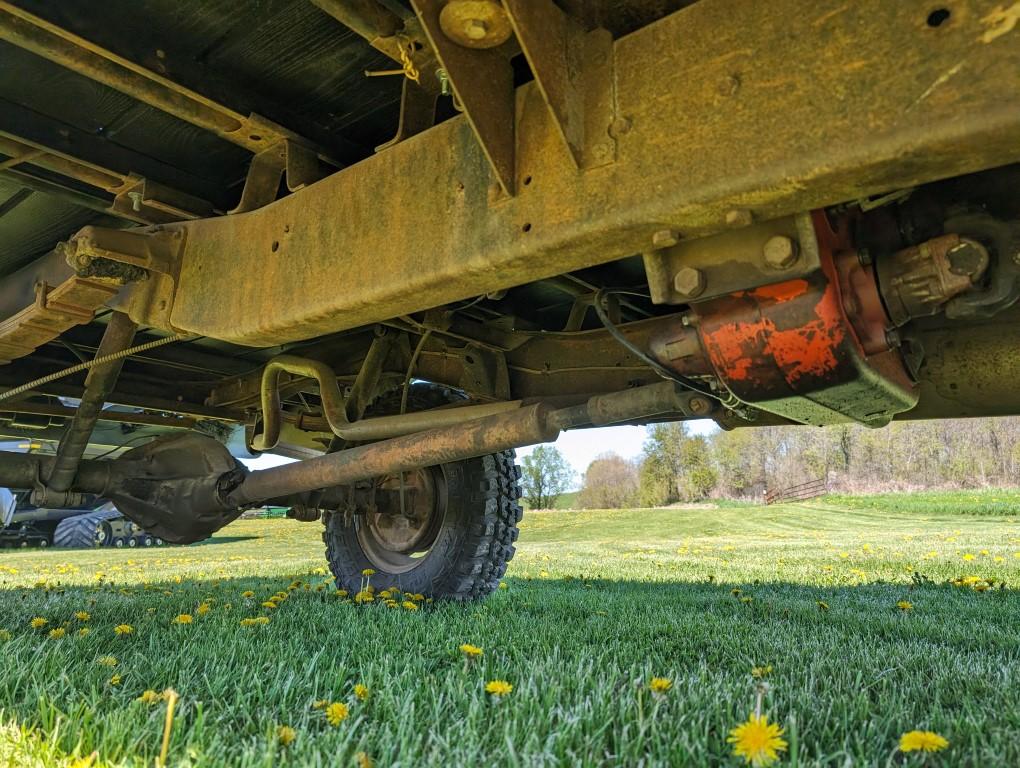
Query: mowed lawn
[594,606]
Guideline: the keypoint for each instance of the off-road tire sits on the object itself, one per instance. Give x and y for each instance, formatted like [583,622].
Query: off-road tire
[477,534]
[80,532]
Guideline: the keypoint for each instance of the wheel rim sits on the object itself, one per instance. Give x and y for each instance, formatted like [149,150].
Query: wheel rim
[396,541]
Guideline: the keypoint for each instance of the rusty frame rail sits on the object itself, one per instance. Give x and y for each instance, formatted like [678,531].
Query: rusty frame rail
[738,117]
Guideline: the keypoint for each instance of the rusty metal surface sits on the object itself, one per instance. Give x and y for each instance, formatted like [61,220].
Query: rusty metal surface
[483,83]
[67,49]
[120,331]
[738,116]
[732,261]
[423,449]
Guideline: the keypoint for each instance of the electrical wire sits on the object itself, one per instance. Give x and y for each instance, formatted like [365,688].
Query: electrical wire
[90,364]
[655,365]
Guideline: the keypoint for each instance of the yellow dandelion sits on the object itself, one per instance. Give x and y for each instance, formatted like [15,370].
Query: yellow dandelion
[747,600]
[498,688]
[269,604]
[82,615]
[968,556]
[407,605]
[184,618]
[123,629]
[84,632]
[922,741]
[337,712]
[115,680]
[503,585]
[471,651]
[285,735]
[5,635]
[660,685]
[364,596]
[107,661]
[368,572]
[320,703]
[247,594]
[149,697]
[57,633]
[341,593]
[758,741]
[735,592]
[361,692]
[362,760]
[203,609]
[760,673]
[905,606]
[39,622]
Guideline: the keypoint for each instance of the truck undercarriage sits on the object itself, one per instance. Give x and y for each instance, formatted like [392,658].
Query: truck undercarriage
[398,240]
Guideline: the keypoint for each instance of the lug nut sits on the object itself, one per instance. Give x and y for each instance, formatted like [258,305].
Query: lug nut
[689,282]
[780,252]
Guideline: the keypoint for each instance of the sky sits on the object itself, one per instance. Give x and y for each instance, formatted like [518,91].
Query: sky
[579,446]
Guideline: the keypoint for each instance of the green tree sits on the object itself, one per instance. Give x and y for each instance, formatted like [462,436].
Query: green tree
[610,482]
[677,466]
[545,475]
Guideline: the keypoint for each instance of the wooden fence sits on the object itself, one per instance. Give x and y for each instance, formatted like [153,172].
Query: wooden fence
[799,492]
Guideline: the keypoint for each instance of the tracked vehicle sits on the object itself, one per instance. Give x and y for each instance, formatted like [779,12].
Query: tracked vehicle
[398,240]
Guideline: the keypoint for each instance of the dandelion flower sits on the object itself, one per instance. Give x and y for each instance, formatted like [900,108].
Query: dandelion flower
[735,592]
[149,697]
[822,605]
[757,741]
[905,606]
[368,572]
[83,632]
[337,712]
[341,593]
[747,600]
[247,594]
[503,585]
[269,604]
[184,618]
[5,635]
[82,615]
[922,741]
[57,633]
[285,735]
[362,760]
[660,685]
[364,596]
[361,692]
[107,661]
[203,609]
[320,703]
[115,680]
[471,651]
[39,622]
[760,673]
[123,629]
[498,688]
[407,605]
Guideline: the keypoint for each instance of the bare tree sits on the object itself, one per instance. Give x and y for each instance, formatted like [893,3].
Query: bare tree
[545,476]
[610,482]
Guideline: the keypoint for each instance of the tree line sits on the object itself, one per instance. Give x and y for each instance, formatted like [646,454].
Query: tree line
[679,466]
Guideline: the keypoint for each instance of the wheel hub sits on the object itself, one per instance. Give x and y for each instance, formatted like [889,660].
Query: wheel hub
[403,520]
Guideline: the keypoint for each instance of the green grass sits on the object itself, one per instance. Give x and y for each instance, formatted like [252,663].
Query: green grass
[596,603]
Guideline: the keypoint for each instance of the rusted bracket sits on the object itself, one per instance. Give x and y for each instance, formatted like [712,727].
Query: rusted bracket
[573,70]
[417,113]
[483,85]
[287,158]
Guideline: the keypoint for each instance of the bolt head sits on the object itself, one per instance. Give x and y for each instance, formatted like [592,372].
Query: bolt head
[665,238]
[739,217]
[780,252]
[475,29]
[699,406]
[689,282]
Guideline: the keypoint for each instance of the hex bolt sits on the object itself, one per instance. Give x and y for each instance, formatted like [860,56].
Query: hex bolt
[699,406]
[665,238]
[780,252]
[689,282]
[136,200]
[739,217]
[476,29]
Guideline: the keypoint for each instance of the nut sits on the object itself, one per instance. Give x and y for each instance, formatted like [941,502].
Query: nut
[739,217]
[665,238]
[699,406]
[780,252]
[475,23]
[689,282]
